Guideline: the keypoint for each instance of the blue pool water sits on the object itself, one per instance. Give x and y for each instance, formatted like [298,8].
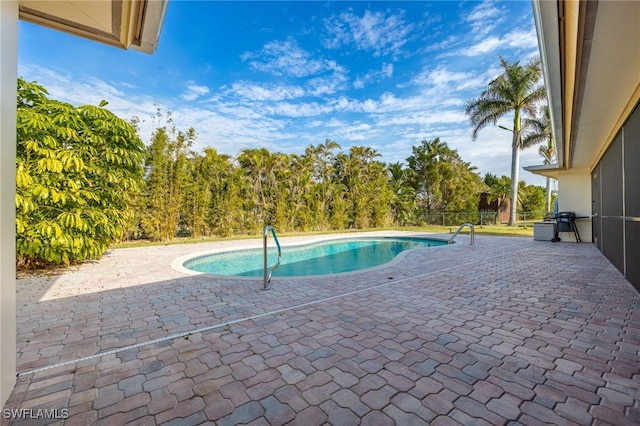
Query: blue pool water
[328,257]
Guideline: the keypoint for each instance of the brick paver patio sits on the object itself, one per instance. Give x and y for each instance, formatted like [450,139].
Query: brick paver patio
[508,331]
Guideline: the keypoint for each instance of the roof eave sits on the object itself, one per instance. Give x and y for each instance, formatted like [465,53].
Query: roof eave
[152,20]
[127,24]
[547,170]
[545,14]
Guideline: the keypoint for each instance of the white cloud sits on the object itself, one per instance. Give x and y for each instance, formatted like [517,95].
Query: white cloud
[287,58]
[485,46]
[427,118]
[520,39]
[266,92]
[375,31]
[387,70]
[331,123]
[194,91]
[359,83]
[374,76]
[517,39]
[354,132]
[439,76]
[484,18]
[91,90]
[335,123]
[327,85]
[296,110]
[444,44]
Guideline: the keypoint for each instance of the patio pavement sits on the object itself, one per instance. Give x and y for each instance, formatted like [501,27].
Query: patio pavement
[507,331]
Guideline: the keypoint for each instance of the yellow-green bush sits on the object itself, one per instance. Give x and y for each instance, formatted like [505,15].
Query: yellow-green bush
[76,171]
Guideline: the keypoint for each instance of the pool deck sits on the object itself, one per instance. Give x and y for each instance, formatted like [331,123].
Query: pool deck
[507,331]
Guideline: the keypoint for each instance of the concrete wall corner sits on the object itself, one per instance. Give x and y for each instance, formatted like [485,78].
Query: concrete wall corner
[8,84]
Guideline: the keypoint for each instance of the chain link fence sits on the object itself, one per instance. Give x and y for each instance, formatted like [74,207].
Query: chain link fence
[481,218]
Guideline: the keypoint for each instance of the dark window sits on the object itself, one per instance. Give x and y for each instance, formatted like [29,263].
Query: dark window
[633,252]
[615,192]
[631,161]
[611,170]
[596,209]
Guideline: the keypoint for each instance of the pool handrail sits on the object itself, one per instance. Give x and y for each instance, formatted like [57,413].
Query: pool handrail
[471,235]
[269,271]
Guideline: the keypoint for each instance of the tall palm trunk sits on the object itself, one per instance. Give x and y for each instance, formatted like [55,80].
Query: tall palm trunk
[515,169]
[515,166]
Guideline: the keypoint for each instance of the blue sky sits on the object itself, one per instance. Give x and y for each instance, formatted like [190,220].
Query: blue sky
[284,75]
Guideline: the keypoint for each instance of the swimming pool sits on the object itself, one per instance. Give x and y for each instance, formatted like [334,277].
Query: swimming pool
[327,257]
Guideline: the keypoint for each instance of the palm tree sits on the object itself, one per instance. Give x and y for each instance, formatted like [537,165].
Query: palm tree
[404,201]
[257,163]
[541,132]
[515,90]
[499,188]
[322,159]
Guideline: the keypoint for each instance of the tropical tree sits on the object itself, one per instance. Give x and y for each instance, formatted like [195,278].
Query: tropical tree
[281,196]
[404,200]
[539,132]
[442,181]
[166,175]
[423,163]
[499,187]
[262,168]
[78,169]
[302,203]
[204,192]
[532,199]
[381,196]
[367,191]
[322,161]
[231,202]
[515,90]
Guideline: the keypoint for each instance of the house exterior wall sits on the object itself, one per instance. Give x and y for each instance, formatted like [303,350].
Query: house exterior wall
[574,195]
[616,200]
[8,87]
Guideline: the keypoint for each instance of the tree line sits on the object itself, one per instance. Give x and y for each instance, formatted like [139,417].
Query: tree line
[85,180]
[324,188]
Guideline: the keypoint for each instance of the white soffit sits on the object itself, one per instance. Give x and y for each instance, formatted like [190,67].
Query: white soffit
[612,78]
[126,24]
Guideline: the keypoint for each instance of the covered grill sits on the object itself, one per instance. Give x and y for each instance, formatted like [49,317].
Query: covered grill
[566,222]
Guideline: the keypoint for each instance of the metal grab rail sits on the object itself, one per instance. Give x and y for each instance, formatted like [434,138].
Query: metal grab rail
[269,271]
[471,235]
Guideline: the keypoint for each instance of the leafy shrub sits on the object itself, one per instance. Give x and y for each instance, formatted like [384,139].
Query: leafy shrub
[77,170]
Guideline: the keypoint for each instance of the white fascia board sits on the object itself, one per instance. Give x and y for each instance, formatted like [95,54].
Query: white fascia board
[545,15]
